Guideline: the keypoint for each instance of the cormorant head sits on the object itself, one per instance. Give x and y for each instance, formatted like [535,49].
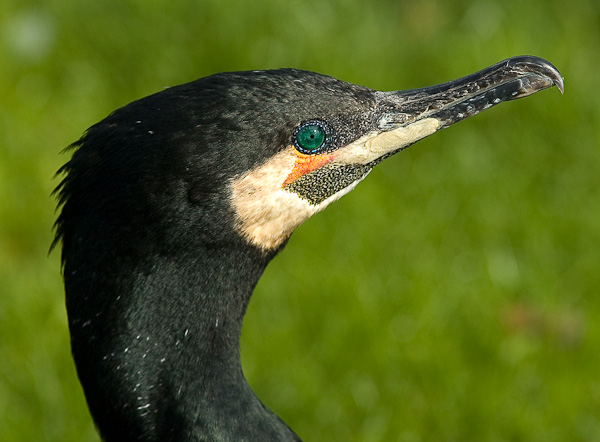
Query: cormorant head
[254,152]
[329,134]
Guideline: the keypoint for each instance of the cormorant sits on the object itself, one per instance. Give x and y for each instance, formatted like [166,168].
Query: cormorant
[173,205]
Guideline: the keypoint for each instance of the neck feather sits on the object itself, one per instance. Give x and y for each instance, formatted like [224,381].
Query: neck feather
[156,344]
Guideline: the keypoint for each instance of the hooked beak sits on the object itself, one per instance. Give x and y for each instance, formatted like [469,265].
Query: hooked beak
[450,102]
[405,117]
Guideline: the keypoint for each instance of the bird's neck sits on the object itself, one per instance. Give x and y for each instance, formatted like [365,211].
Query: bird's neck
[161,360]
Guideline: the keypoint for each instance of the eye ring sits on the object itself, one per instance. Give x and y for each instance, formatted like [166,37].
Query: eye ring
[312,137]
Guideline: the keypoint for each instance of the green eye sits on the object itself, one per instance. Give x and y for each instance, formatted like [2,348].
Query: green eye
[310,136]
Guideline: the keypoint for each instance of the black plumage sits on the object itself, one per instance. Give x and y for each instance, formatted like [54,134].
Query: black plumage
[173,205]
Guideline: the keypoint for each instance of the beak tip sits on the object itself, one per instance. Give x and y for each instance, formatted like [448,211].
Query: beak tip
[539,67]
[544,68]
[560,84]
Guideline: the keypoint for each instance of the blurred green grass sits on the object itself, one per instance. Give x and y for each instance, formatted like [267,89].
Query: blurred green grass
[453,296]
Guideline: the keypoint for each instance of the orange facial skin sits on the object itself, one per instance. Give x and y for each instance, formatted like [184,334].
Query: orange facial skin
[305,164]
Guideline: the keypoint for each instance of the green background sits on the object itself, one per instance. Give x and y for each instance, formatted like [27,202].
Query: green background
[453,296]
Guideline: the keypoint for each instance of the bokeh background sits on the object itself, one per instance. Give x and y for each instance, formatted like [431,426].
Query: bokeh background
[453,296]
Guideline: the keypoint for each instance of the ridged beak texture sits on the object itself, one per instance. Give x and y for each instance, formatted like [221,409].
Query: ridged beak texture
[410,115]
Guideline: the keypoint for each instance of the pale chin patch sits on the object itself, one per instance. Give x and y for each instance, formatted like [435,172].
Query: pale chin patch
[266,219]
